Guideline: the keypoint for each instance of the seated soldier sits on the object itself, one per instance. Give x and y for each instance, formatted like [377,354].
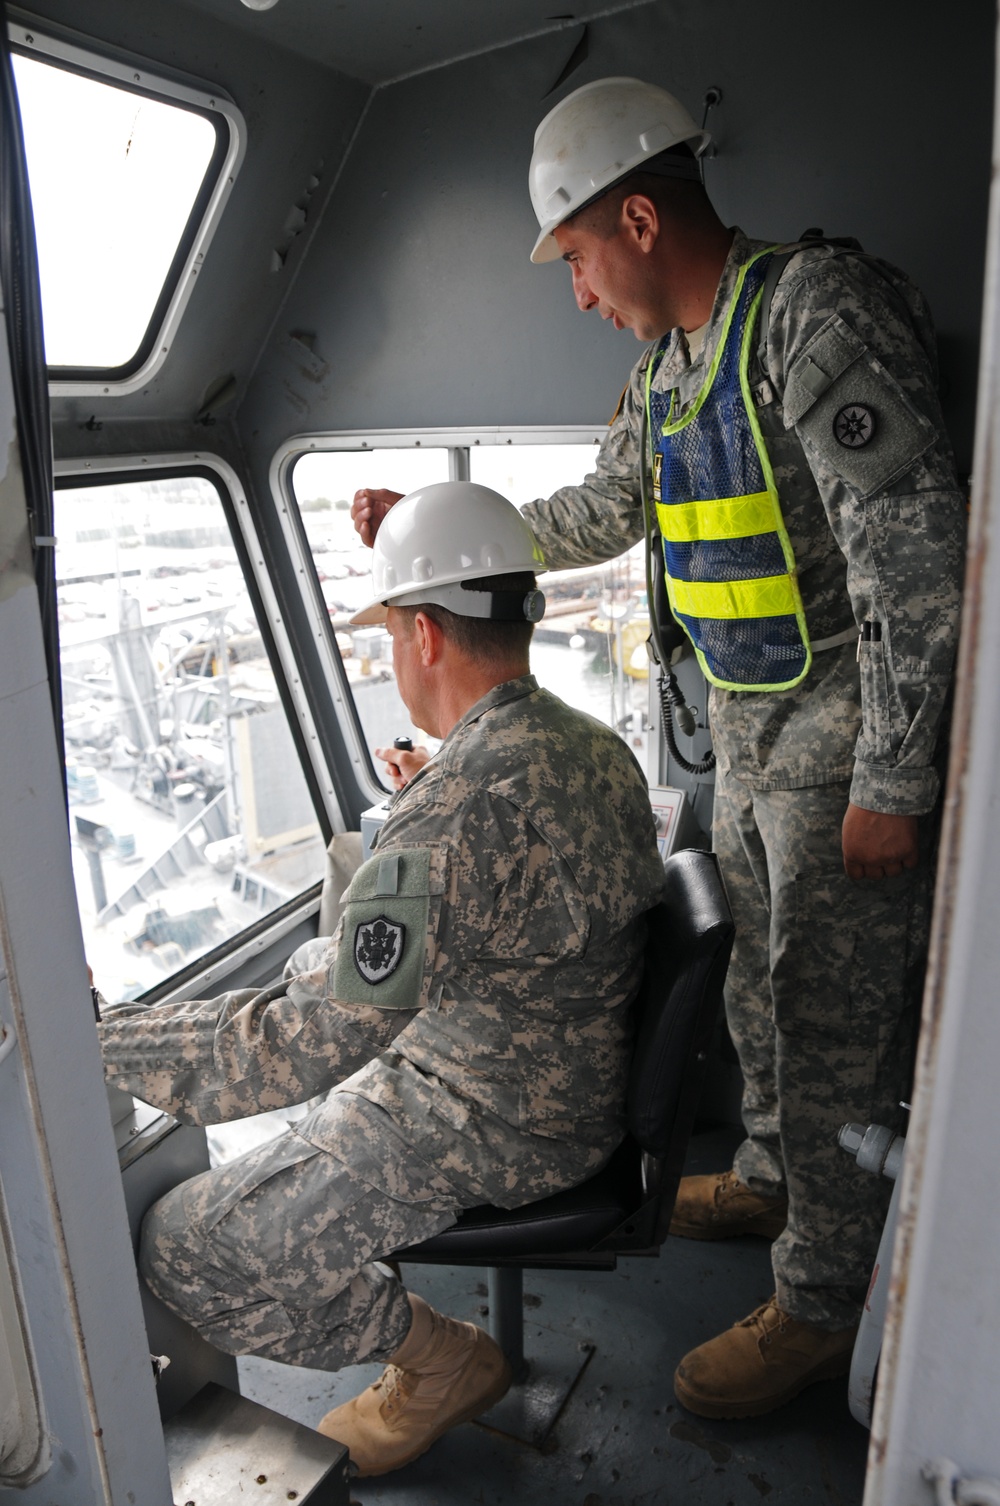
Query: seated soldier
[469,1021]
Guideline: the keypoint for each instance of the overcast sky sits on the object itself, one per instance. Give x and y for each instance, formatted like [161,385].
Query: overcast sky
[113,176]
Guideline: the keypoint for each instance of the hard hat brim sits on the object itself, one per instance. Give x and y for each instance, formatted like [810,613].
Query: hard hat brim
[375,612]
[546,248]
[484,605]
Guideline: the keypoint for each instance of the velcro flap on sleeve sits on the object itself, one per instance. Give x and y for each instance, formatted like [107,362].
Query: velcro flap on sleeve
[836,384]
[385,945]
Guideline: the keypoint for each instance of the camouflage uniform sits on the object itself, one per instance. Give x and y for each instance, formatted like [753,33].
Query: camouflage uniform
[470,1016]
[826,972]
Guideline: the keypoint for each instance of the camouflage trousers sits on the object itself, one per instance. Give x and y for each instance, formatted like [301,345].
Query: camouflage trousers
[823,1002]
[274,1254]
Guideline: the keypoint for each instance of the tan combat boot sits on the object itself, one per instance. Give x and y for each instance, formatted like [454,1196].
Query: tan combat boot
[760,1364]
[721,1206]
[442,1374]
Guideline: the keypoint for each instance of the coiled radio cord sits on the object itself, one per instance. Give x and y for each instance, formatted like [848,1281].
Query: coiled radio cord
[673,706]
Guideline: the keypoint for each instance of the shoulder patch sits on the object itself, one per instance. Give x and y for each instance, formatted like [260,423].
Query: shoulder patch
[854,426]
[852,412]
[386,948]
[378,948]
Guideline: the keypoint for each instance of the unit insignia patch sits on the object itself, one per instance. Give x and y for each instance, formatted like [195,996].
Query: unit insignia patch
[378,948]
[854,426]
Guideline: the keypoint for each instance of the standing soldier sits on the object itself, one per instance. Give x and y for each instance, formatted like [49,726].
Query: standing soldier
[812,533]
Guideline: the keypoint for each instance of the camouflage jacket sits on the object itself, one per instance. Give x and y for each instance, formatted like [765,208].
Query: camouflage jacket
[474,1000]
[878,531]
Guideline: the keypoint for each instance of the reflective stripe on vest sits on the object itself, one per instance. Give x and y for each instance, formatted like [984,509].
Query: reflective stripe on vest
[730,568]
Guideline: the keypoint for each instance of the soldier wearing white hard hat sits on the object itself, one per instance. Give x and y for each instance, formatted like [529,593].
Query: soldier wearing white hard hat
[784,410]
[449,1077]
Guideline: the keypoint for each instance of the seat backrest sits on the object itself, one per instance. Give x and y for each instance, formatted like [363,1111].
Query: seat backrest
[687,956]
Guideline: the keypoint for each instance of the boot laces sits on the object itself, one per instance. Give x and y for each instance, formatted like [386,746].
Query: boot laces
[394,1393]
[728,1185]
[758,1320]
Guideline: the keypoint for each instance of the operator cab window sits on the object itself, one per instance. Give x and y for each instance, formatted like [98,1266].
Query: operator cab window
[190,816]
[590,647]
[324,488]
[127,174]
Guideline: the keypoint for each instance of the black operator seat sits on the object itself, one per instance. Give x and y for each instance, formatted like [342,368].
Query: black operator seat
[625,1209]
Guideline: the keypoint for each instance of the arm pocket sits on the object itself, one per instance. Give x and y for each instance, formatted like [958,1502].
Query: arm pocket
[386,949]
[876,739]
[852,413]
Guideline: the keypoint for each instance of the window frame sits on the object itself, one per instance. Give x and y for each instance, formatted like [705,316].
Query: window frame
[197,978]
[458,442]
[139,77]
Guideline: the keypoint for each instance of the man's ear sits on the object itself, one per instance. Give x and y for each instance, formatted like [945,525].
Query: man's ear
[640,221]
[430,639]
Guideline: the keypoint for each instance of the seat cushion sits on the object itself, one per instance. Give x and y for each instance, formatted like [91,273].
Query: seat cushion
[570,1221]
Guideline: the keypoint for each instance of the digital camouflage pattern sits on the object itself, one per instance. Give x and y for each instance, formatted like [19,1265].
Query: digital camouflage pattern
[823,1001]
[275,1254]
[507,1065]
[878,533]
[524,857]
[887,545]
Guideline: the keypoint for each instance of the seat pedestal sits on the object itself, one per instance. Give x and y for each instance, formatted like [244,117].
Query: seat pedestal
[543,1384]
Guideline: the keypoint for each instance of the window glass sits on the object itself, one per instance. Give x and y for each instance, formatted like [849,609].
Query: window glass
[324,485]
[523,472]
[590,647]
[114,176]
[190,817]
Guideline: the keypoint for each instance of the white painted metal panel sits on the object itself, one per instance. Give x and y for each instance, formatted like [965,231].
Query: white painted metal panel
[939,1386]
[68,1235]
[24,1449]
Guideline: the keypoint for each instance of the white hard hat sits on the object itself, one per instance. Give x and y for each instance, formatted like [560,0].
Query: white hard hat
[596,136]
[441,535]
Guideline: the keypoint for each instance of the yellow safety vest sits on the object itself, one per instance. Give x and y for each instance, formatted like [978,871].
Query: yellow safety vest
[730,570]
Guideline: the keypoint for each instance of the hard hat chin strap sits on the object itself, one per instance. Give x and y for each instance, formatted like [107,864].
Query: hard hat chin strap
[496,606]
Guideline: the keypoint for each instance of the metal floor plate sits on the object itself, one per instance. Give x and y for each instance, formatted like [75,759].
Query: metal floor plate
[223,1449]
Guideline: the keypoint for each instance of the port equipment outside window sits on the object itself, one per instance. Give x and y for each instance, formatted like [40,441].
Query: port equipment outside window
[324,487]
[590,647]
[125,190]
[190,817]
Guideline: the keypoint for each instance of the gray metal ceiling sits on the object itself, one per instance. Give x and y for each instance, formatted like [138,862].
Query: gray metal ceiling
[382,40]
